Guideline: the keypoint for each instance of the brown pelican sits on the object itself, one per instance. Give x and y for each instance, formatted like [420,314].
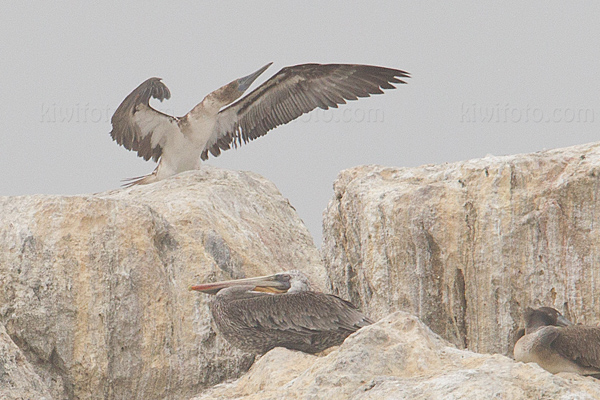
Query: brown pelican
[557,345]
[258,314]
[180,142]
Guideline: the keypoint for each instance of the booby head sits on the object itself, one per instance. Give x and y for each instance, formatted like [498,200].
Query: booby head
[283,282]
[245,82]
[536,318]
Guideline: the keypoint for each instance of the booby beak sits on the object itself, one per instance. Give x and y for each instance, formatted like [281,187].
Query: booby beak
[562,321]
[245,82]
[268,284]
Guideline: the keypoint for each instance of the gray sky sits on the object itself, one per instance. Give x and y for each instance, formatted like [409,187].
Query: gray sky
[501,78]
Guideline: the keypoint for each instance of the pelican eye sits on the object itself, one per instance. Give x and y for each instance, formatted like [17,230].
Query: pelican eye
[284,279]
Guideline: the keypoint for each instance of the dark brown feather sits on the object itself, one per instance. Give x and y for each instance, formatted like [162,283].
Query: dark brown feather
[126,132]
[294,91]
[306,321]
[579,343]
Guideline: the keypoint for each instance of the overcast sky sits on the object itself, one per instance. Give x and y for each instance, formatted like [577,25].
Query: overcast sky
[488,78]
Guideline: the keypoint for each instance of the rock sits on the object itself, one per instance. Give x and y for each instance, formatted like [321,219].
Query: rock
[18,381]
[94,288]
[467,246]
[399,358]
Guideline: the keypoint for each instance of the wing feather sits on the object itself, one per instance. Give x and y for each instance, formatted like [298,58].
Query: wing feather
[579,343]
[139,127]
[304,312]
[292,92]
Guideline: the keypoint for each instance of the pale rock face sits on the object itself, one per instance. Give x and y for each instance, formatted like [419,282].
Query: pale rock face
[399,358]
[94,288]
[18,380]
[467,246]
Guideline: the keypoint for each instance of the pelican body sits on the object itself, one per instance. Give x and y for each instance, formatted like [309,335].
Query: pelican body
[557,345]
[259,314]
[217,123]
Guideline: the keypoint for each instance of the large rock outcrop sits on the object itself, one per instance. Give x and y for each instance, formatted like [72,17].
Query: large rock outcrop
[94,288]
[399,358]
[466,246]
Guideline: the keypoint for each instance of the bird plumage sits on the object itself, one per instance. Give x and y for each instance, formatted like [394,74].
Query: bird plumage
[557,345]
[132,121]
[292,92]
[306,321]
[220,122]
[298,319]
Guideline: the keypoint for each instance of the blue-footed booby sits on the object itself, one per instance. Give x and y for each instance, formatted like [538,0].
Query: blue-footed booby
[215,124]
[557,345]
[280,310]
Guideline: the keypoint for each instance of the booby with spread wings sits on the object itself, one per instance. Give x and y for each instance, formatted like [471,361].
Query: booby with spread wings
[215,124]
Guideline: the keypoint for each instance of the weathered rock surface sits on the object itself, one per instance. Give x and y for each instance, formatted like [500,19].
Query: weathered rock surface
[399,358]
[18,381]
[94,288]
[467,246]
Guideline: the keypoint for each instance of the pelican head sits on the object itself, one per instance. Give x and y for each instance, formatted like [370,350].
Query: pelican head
[282,282]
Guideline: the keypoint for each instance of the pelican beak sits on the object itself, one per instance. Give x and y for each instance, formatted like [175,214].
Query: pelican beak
[268,284]
[245,82]
[562,321]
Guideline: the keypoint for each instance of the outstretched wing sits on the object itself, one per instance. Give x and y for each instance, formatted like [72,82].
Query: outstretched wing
[292,92]
[141,128]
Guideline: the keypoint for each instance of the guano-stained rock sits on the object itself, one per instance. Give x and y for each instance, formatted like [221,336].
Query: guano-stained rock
[94,288]
[467,246]
[399,358]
